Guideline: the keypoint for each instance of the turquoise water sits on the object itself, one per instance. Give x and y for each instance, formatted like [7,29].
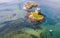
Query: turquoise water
[13,21]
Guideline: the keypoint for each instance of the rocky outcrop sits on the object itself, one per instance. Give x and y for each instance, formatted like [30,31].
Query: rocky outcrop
[33,19]
[29,5]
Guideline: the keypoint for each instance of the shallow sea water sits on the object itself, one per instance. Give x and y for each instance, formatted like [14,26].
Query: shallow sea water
[15,25]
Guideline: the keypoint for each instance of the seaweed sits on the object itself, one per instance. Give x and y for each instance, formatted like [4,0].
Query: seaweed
[33,36]
[46,34]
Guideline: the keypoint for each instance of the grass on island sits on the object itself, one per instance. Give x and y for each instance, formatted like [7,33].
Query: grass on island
[36,15]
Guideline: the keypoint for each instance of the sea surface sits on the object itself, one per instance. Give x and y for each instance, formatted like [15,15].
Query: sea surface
[13,20]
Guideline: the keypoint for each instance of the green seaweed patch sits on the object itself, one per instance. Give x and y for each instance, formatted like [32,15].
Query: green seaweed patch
[37,15]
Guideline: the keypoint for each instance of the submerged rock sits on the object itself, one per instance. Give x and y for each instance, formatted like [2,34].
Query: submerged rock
[33,36]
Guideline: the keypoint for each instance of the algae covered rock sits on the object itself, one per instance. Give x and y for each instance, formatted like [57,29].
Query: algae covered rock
[35,17]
